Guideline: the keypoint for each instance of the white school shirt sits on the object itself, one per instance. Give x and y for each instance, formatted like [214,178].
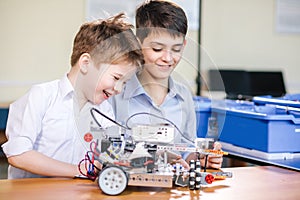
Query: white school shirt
[178,107]
[44,120]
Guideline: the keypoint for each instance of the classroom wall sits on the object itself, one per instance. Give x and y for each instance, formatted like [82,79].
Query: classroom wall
[242,34]
[36,40]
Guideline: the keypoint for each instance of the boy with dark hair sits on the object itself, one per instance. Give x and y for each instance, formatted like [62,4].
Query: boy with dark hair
[161,27]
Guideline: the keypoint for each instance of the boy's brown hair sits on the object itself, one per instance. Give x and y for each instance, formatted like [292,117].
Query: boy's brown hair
[110,41]
[159,15]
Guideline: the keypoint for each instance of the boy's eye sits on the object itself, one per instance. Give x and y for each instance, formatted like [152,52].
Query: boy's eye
[157,49]
[116,78]
[176,50]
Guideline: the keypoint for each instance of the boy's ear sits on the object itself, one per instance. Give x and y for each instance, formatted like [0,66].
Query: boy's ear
[138,39]
[83,69]
[184,42]
[84,61]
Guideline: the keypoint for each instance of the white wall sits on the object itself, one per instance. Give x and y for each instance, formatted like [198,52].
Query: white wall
[36,40]
[242,34]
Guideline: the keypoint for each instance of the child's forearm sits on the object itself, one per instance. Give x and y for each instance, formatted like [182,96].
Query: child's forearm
[37,163]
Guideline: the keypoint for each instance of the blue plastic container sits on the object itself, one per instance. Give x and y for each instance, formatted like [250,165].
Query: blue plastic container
[292,100]
[264,128]
[3,118]
[203,112]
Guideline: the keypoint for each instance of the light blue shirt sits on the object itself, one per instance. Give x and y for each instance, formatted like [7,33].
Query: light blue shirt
[178,107]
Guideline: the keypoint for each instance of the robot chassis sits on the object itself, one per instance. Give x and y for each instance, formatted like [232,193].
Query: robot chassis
[142,160]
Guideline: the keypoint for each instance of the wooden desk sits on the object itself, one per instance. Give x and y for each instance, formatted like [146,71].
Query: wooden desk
[255,183]
[244,154]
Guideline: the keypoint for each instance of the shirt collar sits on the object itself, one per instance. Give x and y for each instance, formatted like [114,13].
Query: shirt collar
[134,88]
[175,90]
[65,86]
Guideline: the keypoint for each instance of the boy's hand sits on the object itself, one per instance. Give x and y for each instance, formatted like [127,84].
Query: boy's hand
[84,169]
[179,159]
[214,161]
[175,158]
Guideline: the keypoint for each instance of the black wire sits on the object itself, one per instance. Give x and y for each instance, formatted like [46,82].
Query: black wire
[205,165]
[129,128]
[145,113]
[92,113]
[89,159]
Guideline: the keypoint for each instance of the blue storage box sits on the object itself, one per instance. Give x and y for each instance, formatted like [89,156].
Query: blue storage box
[264,128]
[292,100]
[3,118]
[203,112]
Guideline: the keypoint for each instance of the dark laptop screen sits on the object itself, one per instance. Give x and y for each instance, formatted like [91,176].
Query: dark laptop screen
[249,83]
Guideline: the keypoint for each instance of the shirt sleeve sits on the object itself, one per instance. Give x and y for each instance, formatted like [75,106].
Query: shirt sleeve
[188,107]
[23,123]
[190,126]
[191,121]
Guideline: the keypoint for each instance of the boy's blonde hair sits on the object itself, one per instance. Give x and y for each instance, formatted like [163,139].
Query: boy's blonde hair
[110,41]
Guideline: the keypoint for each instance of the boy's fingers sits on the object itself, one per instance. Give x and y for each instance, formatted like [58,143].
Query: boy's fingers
[217,146]
[216,159]
[183,163]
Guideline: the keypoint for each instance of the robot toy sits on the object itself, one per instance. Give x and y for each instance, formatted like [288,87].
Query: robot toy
[141,158]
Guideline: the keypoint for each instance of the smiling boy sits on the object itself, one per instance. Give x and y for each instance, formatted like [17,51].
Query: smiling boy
[161,27]
[43,126]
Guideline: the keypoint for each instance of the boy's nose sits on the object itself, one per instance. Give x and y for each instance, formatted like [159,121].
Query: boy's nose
[167,56]
[118,87]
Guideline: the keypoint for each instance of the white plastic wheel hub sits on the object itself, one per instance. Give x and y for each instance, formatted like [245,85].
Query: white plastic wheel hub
[112,180]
